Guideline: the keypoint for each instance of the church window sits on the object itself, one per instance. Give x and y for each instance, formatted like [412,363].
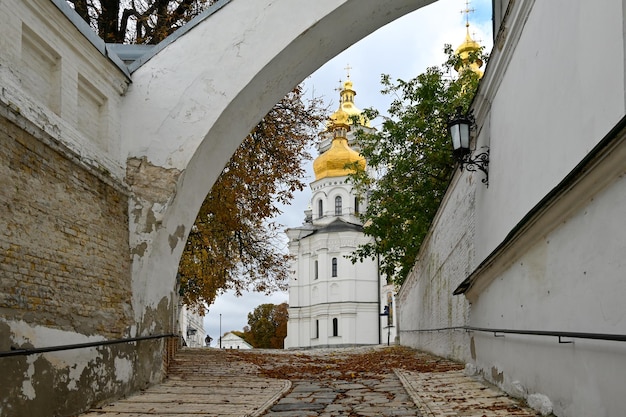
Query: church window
[335,327]
[356,205]
[317,329]
[320,208]
[334,267]
[338,206]
[316,272]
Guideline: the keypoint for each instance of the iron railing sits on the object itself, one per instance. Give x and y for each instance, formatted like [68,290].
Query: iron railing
[32,351]
[549,333]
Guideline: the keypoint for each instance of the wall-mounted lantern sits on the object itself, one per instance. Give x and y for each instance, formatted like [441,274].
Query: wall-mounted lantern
[459,128]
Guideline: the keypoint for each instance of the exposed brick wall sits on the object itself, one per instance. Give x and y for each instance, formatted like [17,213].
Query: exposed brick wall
[64,256]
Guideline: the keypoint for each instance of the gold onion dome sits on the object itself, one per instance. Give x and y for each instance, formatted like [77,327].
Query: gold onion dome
[346,103]
[464,50]
[339,160]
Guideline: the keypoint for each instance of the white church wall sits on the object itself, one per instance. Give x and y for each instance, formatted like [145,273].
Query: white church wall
[553,89]
[570,280]
[425,301]
[327,190]
[351,297]
[557,97]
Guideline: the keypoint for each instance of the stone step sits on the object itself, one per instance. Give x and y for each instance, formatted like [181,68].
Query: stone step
[202,382]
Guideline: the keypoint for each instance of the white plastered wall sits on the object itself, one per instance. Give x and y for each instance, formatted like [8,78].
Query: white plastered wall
[553,89]
[571,280]
[561,92]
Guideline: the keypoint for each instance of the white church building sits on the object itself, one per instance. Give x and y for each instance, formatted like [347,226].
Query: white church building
[333,302]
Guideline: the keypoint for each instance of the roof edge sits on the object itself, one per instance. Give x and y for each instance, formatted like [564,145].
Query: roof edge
[86,30]
[177,34]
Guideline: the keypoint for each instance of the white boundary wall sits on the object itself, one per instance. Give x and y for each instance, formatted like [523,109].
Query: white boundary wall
[536,255]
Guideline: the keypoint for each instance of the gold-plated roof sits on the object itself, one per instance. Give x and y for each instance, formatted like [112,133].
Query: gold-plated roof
[346,103]
[468,46]
[339,160]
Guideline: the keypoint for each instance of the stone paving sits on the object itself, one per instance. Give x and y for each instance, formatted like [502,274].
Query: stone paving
[452,393]
[202,382]
[372,381]
[386,397]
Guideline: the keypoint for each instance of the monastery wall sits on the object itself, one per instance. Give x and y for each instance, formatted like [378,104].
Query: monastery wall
[65,260]
[564,273]
[541,248]
[65,279]
[425,301]
[64,81]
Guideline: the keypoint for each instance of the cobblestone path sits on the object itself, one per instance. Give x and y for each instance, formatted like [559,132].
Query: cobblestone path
[372,381]
[380,381]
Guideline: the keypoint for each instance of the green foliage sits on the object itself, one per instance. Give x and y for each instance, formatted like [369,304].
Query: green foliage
[267,326]
[412,157]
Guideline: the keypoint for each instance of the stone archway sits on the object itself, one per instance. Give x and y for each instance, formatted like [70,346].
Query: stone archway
[192,103]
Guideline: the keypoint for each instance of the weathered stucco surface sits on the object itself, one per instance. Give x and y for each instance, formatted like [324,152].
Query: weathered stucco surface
[65,274]
[101,178]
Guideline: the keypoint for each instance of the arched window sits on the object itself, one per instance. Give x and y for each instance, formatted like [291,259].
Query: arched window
[338,206]
[317,270]
[356,205]
[320,209]
[335,327]
[317,329]
[334,270]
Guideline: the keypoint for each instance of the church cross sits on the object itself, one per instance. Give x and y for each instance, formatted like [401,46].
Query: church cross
[467,11]
[348,68]
[340,86]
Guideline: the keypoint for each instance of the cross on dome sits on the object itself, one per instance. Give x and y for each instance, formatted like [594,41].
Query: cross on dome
[468,46]
[467,11]
[348,68]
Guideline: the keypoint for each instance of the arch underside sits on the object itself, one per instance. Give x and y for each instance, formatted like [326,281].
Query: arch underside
[191,104]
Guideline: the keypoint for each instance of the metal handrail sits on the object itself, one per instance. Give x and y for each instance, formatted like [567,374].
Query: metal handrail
[25,352]
[559,334]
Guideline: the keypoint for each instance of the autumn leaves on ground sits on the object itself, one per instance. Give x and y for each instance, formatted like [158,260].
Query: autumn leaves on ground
[346,364]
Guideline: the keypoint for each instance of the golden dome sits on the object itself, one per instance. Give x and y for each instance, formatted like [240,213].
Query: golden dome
[346,103]
[339,160]
[464,50]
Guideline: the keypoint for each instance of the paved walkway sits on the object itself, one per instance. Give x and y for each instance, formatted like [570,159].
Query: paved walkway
[203,382]
[355,382]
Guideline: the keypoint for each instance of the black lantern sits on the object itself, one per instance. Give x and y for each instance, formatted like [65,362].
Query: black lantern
[459,128]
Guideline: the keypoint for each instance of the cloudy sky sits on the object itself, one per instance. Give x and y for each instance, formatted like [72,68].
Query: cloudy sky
[403,49]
